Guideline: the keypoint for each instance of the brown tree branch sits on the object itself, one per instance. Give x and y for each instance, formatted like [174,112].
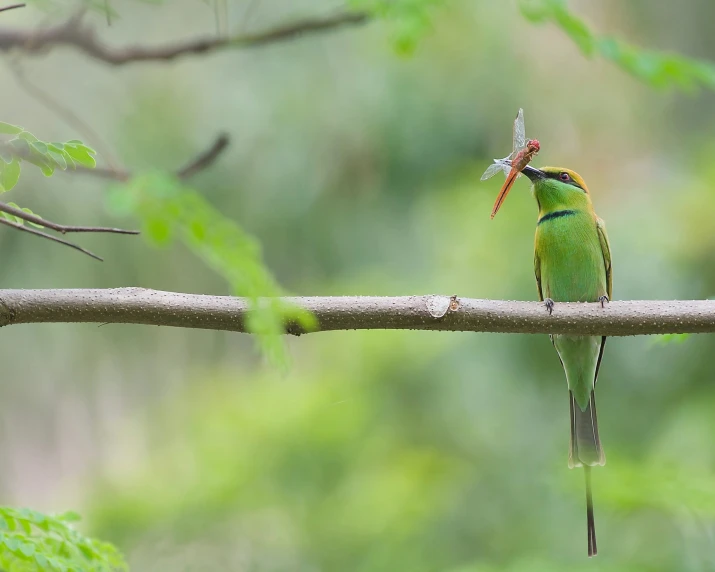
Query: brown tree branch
[11,7]
[74,33]
[41,234]
[205,159]
[202,161]
[152,307]
[63,228]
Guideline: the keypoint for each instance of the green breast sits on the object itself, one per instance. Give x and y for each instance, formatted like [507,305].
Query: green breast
[570,257]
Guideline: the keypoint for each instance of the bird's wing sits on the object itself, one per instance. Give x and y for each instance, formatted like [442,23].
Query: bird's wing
[606,250]
[537,273]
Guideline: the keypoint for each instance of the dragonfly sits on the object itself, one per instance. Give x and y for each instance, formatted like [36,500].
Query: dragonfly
[523,151]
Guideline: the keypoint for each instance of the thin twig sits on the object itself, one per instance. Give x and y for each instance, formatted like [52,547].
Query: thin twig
[49,237]
[11,7]
[142,306]
[205,159]
[74,33]
[63,228]
[202,161]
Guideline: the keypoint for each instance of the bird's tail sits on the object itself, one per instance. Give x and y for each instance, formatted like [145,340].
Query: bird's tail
[585,450]
[590,523]
[585,446]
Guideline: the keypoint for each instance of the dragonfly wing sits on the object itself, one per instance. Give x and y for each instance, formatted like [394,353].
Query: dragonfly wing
[492,170]
[519,131]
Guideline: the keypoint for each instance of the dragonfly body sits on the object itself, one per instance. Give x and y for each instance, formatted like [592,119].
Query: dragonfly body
[518,163]
[523,152]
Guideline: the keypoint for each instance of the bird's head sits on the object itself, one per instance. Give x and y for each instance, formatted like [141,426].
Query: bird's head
[556,187]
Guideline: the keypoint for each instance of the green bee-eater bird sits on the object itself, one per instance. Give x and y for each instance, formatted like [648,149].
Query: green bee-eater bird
[572,263]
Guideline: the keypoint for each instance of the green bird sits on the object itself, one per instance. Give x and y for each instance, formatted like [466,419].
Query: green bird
[572,263]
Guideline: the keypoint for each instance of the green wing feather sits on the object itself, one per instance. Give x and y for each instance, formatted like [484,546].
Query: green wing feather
[606,249]
[537,273]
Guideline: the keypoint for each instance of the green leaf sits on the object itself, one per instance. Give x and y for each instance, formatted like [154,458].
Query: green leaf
[9,129]
[11,218]
[658,69]
[41,161]
[53,545]
[534,11]
[58,157]
[9,175]
[159,230]
[409,19]
[575,28]
[40,147]
[12,543]
[81,155]
[26,526]
[27,136]
[68,158]
[69,516]
[27,549]
[42,561]
[87,148]
[22,221]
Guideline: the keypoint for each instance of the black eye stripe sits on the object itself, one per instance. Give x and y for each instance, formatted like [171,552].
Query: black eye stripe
[557,176]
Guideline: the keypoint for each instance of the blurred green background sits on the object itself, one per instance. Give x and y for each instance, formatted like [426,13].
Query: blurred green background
[357,169]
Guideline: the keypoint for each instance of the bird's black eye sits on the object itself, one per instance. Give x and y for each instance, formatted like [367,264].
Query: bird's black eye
[564,176]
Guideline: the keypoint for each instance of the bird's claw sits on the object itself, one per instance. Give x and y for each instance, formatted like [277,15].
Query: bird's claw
[549,303]
[603,299]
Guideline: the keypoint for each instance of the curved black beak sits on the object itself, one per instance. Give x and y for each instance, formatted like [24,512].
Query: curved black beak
[533,174]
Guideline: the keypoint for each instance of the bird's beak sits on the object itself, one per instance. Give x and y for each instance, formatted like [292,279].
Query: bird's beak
[533,174]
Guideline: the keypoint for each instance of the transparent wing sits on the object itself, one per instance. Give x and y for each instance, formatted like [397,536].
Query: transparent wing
[519,131]
[494,168]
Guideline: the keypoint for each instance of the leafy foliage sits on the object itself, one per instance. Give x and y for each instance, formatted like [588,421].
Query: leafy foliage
[32,541]
[170,209]
[658,69]
[410,18]
[21,146]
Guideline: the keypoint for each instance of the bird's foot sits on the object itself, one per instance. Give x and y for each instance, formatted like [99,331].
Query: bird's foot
[603,299]
[549,303]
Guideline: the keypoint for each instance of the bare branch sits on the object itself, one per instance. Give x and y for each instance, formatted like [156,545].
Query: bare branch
[205,159]
[49,237]
[142,306]
[19,213]
[33,218]
[11,7]
[202,161]
[74,33]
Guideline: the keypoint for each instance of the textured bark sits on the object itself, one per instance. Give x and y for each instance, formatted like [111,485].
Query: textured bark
[142,306]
